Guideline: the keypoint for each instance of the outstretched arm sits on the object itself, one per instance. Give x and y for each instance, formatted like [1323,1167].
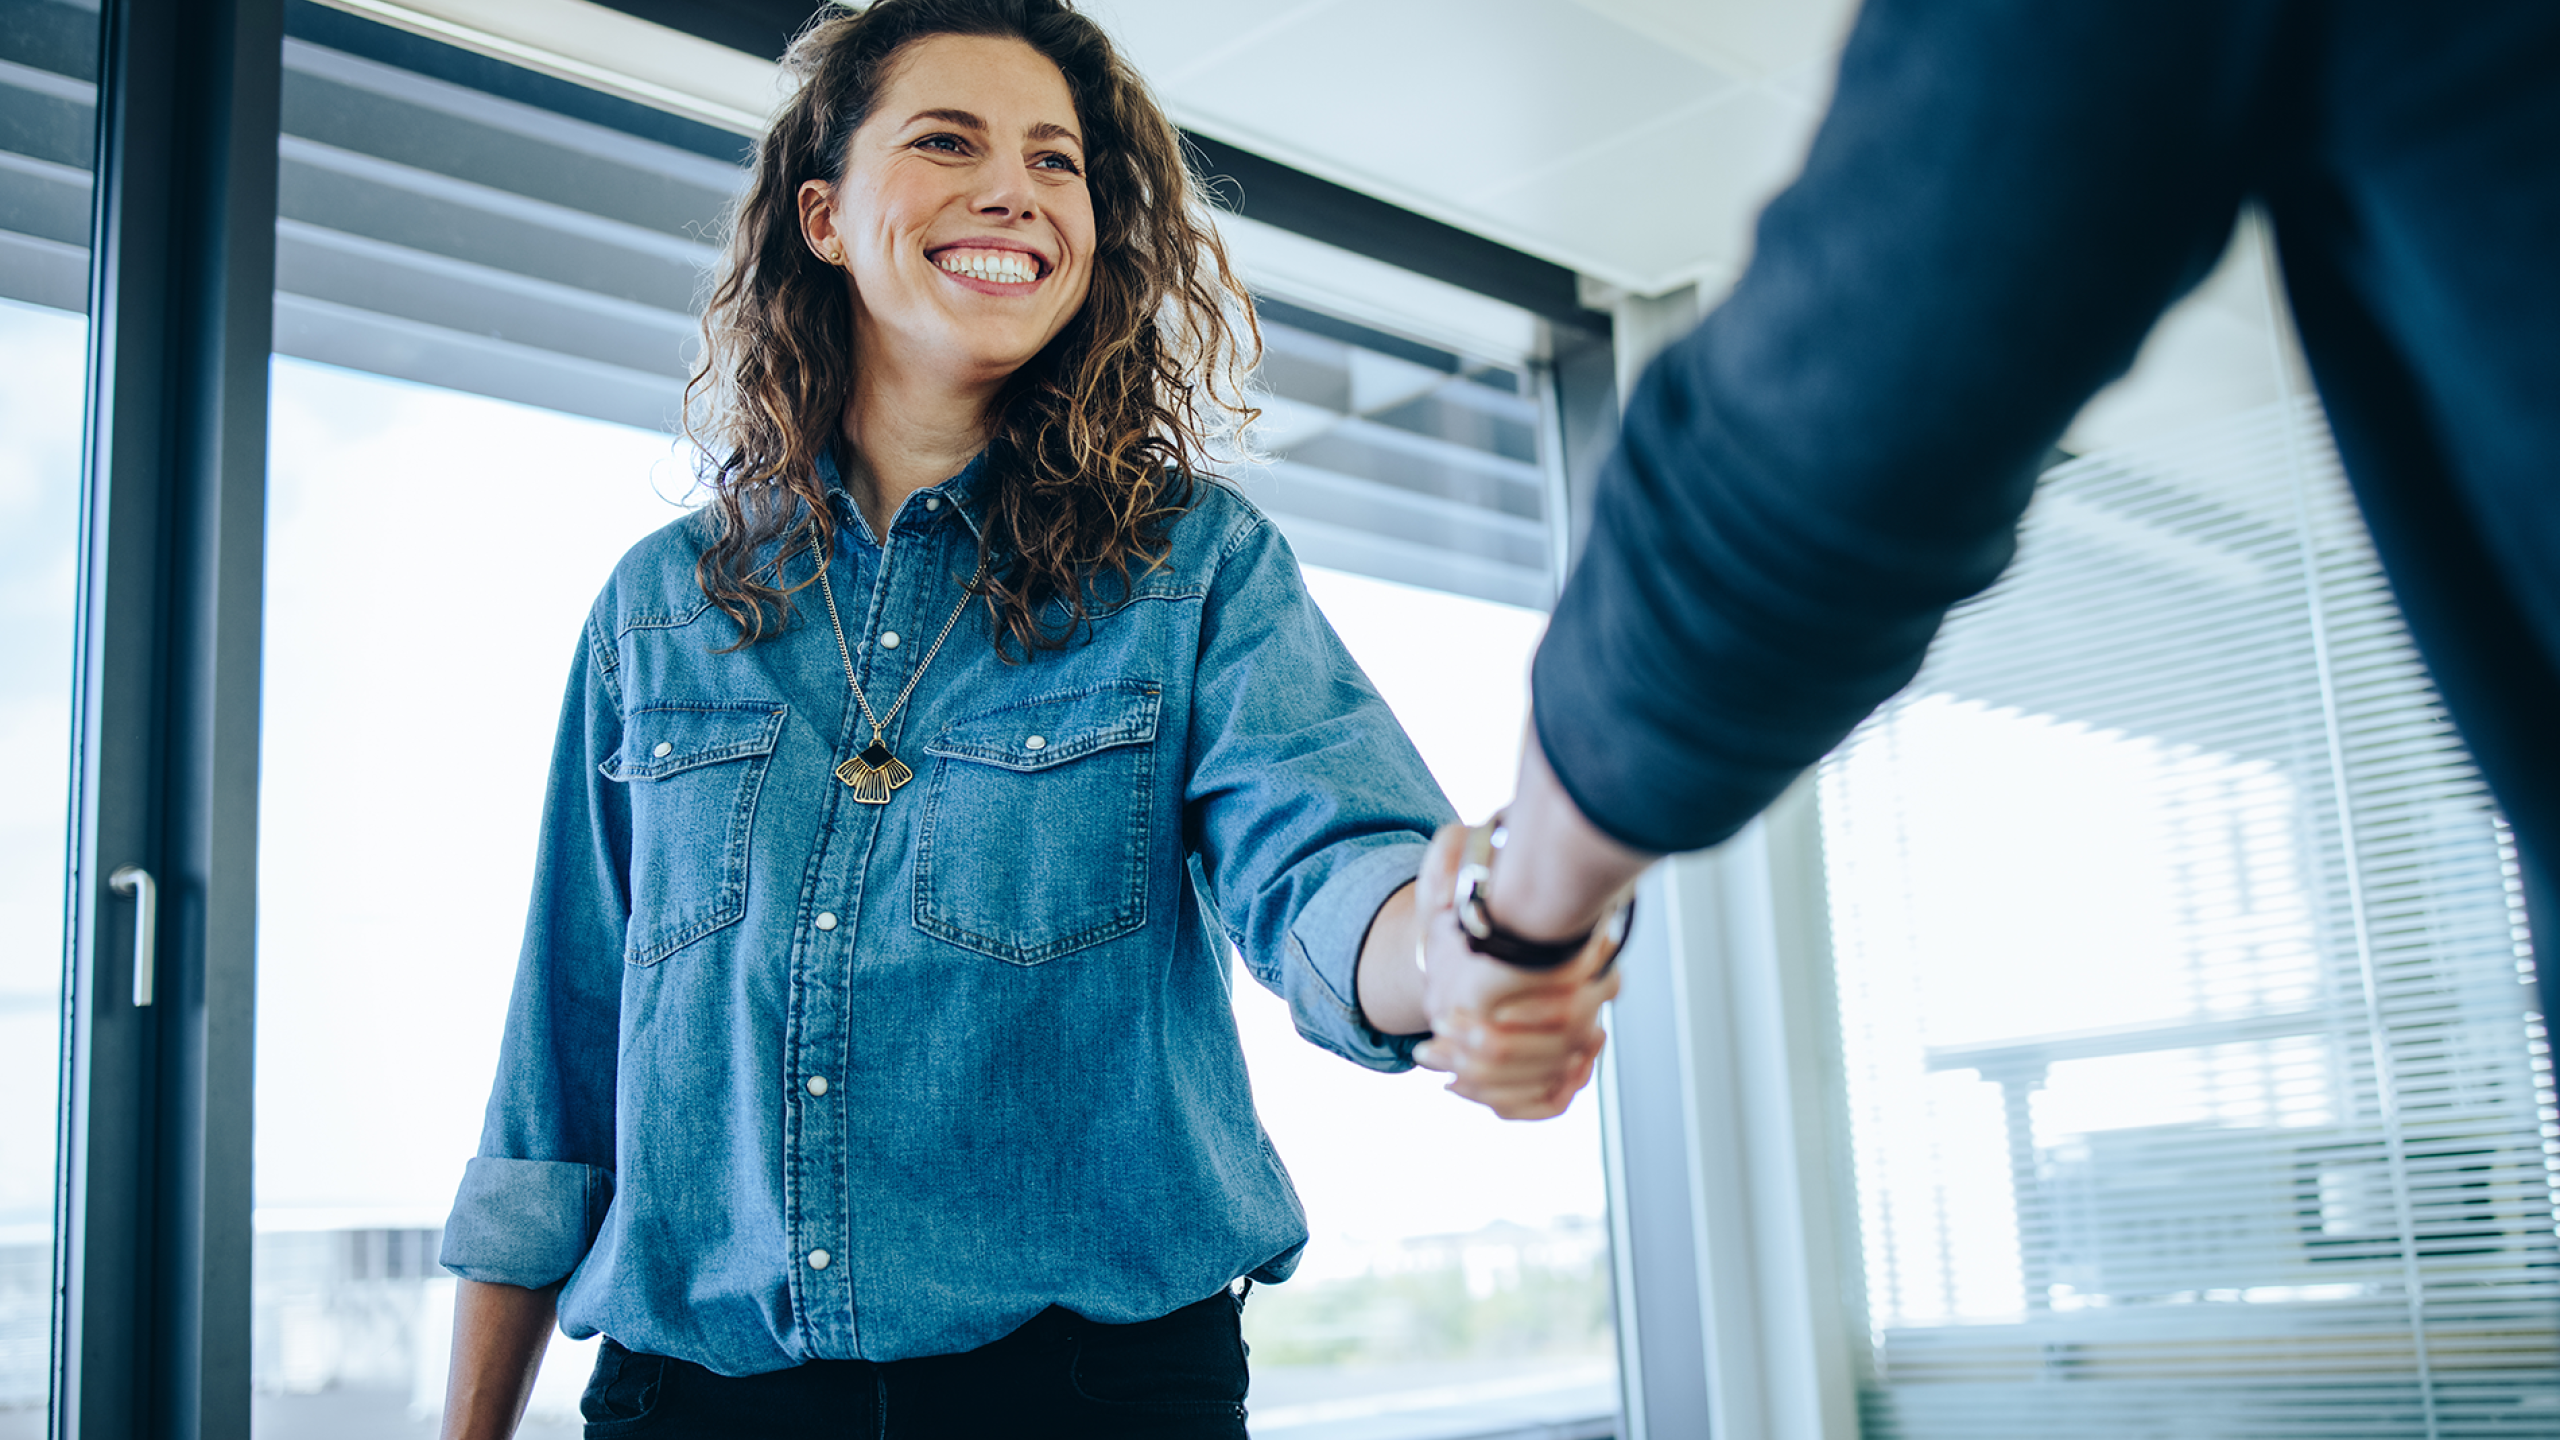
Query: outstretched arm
[2003,198]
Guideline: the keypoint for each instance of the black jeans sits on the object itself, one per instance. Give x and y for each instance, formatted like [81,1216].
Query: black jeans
[1178,1377]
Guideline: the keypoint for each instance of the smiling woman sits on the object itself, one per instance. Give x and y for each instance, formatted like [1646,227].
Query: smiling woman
[955,192]
[839,1106]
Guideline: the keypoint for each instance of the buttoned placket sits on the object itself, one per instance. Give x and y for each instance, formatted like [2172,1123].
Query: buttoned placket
[907,580]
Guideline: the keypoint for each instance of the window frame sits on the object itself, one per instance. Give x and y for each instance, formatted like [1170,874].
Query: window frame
[152,1216]
[152,1236]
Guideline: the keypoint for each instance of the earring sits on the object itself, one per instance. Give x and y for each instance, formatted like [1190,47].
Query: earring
[835,255]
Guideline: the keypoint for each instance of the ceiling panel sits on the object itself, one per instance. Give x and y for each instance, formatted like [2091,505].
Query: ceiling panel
[1759,39]
[1485,108]
[1661,220]
[1498,115]
[1166,39]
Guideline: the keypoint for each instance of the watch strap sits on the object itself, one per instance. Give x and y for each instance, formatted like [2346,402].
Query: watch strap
[1486,936]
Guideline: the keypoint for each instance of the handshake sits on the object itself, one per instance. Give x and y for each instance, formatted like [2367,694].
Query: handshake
[1519,1039]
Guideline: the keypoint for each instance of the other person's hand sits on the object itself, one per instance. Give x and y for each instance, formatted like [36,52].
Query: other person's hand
[1520,1042]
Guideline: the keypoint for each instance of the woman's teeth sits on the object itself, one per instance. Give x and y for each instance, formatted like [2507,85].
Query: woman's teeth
[1006,267]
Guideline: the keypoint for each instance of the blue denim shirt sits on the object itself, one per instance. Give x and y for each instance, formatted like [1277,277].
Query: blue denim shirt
[787,1077]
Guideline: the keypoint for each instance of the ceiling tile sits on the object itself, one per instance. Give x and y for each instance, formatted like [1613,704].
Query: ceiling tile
[1162,38]
[1501,86]
[1752,38]
[1633,140]
[1663,204]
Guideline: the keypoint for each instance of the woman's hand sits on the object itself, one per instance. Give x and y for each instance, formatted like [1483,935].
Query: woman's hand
[1521,1042]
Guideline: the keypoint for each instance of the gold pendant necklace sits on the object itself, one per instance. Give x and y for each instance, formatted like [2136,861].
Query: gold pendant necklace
[876,772]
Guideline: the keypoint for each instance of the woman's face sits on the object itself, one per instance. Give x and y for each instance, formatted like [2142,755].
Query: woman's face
[963,220]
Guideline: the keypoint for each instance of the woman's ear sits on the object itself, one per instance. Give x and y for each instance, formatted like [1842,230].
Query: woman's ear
[818,221]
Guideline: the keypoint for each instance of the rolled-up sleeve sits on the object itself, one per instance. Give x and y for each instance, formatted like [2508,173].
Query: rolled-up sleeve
[1306,804]
[524,1222]
[531,1202]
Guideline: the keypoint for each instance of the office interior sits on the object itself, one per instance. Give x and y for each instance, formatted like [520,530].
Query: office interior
[2127,1032]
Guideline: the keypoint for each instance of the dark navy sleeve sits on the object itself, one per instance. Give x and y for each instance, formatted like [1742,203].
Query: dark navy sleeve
[2003,198]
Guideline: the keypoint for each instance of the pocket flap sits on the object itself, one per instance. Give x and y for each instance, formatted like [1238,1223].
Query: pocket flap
[664,740]
[1055,729]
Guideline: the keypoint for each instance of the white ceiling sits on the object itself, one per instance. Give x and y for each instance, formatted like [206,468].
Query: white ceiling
[1630,140]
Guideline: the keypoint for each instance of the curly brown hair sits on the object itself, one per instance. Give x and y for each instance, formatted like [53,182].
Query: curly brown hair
[1094,443]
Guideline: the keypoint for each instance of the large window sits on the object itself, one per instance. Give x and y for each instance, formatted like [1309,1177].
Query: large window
[484,292]
[2184,986]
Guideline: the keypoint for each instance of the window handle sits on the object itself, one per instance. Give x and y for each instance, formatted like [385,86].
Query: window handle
[135,881]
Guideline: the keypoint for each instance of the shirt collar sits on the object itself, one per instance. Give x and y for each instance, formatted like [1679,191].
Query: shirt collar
[966,492]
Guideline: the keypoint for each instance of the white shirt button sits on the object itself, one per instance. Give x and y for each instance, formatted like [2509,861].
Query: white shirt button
[933,502]
[1036,742]
[826,919]
[664,750]
[888,639]
[819,1259]
[817,1084]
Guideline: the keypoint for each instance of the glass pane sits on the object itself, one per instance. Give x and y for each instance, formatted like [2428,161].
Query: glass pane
[1456,1282]
[1457,1278]
[400,788]
[2184,989]
[483,308]
[48,63]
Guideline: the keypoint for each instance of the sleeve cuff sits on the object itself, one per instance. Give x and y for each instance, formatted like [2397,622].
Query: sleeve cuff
[1323,986]
[524,1222]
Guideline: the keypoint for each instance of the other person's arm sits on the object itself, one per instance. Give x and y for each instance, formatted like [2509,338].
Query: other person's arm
[2002,200]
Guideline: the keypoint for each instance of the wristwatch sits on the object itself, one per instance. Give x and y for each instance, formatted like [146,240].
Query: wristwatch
[1485,935]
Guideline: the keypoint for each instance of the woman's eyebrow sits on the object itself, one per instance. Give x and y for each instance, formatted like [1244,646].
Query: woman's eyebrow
[1040,129]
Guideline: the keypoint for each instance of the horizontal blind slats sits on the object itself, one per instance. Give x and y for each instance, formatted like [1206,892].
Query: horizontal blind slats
[2189,1099]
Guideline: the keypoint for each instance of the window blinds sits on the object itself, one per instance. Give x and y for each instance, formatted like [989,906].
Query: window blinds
[1401,460]
[2184,991]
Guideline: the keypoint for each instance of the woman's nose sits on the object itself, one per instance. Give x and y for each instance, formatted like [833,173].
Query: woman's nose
[1008,193]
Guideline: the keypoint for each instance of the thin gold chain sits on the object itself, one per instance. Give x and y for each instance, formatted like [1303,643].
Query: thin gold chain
[880,723]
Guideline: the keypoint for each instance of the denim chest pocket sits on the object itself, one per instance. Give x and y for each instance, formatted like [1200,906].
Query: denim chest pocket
[1035,825]
[693,772]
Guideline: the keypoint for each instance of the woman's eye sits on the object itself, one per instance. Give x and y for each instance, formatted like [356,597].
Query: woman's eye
[948,144]
[1064,163]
